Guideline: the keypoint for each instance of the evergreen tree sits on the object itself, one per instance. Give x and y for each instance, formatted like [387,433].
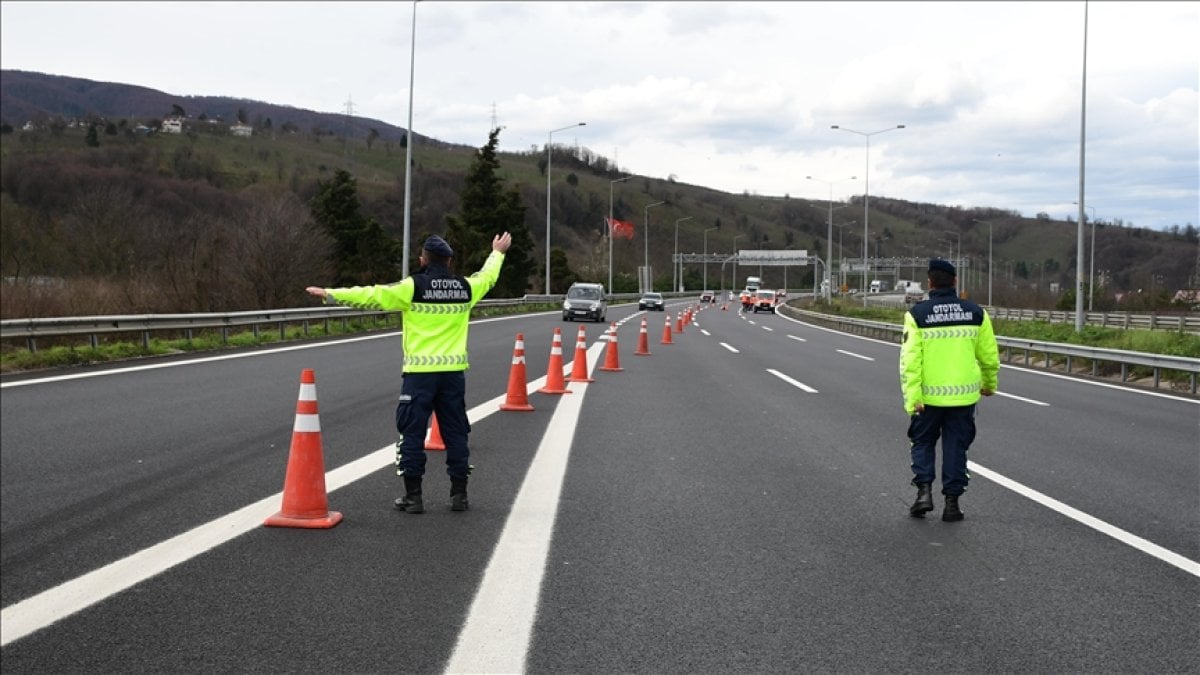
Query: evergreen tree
[93,139]
[487,209]
[363,253]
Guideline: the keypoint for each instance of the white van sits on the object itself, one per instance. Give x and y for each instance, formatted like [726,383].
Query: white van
[877,286]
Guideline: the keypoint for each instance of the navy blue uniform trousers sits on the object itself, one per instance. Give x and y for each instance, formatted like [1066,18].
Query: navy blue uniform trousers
[443,394]
[956,427]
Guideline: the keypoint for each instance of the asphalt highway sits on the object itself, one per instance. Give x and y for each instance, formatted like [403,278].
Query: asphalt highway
[734,502]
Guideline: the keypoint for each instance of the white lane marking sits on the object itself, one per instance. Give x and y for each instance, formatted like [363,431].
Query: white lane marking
[726,346]
[41,610]
[857,356]
[769,328]
[1022,399]
[224,357]
[1170,557]
[496,635]
[797,339]
[794,383]
[1007,366]
[706,332]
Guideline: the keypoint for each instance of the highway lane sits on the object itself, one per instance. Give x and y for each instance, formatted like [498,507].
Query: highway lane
[699,487]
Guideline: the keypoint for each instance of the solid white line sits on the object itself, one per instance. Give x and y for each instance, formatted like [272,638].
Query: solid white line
[1028,369]
[1170,557]
[499,625]
[1023,399]
[798,339]
[792,382]
[41,610]
[857,356]
[726,346]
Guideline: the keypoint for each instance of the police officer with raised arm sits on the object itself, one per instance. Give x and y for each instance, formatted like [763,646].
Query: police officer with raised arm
[948,359]
[437,310]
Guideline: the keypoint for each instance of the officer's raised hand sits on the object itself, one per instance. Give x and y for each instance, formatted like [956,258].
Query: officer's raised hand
[501,242]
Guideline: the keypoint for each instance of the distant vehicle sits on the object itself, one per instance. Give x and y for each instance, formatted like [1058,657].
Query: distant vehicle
[764,301]
[876,286]
[753,283]
[781,293]
[708,296]
[585,301]
[652,301]
[913,292]
[902,284]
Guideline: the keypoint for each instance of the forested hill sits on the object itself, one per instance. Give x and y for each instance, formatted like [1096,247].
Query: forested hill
[38,98]
[104,212]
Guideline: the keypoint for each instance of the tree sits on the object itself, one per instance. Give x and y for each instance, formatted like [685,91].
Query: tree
[487,209]
[93,139]
[177,110]
[372,135]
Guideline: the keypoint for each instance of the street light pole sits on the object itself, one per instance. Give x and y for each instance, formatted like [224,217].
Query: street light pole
[408,145]
[829,238]
[958,252]
[1092,265]
[610,229]
[733,284]
[866,194]
[649,283]
[706,256]
[549,159]
[677,266]
[989,224]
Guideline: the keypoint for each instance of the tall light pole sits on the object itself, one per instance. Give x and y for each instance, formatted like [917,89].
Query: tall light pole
[706,256]
[957,253]
[735,276]
[610,228]
[829,255]
[408,145]
[549,158]
[677,266]
[989,224]
[646,245]
[1092,265]
[866,194]
[1081,201]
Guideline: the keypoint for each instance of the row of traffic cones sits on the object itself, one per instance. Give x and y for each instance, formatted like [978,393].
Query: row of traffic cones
[305,501]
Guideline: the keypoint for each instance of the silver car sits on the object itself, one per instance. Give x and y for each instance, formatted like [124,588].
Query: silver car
[585,301]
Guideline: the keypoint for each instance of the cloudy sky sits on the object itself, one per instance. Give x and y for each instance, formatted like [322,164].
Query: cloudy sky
[737,96]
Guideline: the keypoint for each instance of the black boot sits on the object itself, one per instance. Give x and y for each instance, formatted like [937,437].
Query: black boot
[458,494]
[411,501]
[952,513]
[924,503]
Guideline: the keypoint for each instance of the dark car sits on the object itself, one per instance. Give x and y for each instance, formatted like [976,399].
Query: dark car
[585,301]
[652,301]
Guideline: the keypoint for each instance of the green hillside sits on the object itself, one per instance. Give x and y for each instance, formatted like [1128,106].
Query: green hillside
[208,163]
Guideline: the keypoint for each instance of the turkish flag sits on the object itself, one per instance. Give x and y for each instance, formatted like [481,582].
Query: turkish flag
[620,229]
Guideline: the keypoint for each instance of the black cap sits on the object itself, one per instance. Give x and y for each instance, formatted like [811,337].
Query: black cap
[942,266]
[438,246]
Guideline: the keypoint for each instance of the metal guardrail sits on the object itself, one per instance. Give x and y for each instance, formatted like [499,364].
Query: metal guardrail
[1049,350]
[1186,322]
[145,324]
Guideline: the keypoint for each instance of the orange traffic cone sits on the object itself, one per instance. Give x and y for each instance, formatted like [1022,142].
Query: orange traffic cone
[643,341]
[554,370]
[433,439]
[517,397]
[305,503]
[679,323]
[666,336]
[612,362]
[579,371]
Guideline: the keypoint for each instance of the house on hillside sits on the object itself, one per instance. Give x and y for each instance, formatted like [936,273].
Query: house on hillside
[240,129]
[172,125]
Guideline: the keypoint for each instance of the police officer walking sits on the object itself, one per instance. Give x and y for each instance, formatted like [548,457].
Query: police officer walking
[948,359]
[437,310]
